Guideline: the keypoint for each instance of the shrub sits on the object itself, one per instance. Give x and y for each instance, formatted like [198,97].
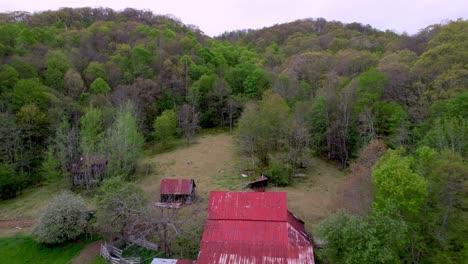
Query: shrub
[165,126]
[278,174]
[10,182]
[64,219]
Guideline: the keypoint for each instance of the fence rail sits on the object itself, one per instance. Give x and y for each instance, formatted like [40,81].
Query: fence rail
[145,244]
[113,255]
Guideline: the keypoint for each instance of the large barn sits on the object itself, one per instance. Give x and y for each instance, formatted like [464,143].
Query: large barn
[253,227]
[177,191]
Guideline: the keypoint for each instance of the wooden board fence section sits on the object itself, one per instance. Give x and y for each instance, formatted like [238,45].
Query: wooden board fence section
[114,255]
[145,244]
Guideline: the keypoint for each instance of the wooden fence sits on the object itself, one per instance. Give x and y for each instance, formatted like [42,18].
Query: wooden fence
[113,255]
[145,244]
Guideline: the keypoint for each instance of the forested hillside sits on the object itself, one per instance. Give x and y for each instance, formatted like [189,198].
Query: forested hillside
[82,84]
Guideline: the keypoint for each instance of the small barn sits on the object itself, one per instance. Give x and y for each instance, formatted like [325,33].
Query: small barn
[89,170]
[177,191]
[259,185]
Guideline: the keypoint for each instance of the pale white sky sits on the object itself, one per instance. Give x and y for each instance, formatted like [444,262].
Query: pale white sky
[216,16]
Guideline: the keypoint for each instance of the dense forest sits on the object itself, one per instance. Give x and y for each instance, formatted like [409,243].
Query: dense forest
[392,110]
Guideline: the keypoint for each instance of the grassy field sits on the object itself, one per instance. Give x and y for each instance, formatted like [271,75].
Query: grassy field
[24,250]
[27,205]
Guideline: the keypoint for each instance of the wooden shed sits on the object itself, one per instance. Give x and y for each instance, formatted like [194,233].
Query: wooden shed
[259,184]
[177,191]
[89,170]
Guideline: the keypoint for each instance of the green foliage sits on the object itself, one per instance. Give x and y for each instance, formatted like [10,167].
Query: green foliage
[203,85]
[196,71]
[124,142]
[449,83]
[100,86]
[50,168]
[279,174]
[8,35]
[8,77]
[165,126]
[64,219]
[246,78]
[187,244]
[25,70]
[443,219]
[338,44]
[447,198]
[10,182]
[29,91]
[25,41]
[446,48]
[376,238]
[57,65]
[35,128]
[23,249]
[262,127]
[316,122]
[255,83]
[455,106]
[397,186]
[389,120]
[371,85]
[141,59]
[91,132]
[448,132]
[93,71]
[118,203]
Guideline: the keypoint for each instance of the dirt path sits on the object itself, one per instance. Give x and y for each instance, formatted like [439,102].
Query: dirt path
[8,224]
[15,227]
[88,254]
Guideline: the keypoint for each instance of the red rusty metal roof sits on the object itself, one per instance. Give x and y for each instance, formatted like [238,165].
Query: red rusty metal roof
[177,186]
[253,227]
[267,206]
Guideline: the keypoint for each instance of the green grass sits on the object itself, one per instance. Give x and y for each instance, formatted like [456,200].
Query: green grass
[28,204]
[231,181]
[24,250]
[98,260]
[146,255]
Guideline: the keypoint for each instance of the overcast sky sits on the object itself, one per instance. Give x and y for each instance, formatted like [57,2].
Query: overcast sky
[216,16]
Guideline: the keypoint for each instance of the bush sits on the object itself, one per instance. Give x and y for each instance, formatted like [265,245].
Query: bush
[10,183]
[279,174]
[64,219]
[165,126]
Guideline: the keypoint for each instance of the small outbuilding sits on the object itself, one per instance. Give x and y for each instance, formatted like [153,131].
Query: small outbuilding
[177,191]
[259,185]
[89,170]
